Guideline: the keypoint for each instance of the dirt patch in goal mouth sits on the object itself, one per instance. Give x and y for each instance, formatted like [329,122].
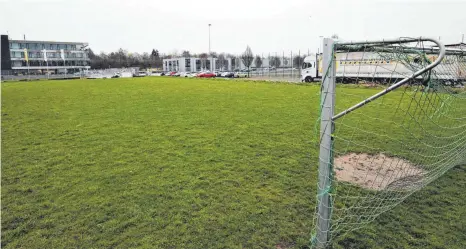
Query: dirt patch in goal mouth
[377,172]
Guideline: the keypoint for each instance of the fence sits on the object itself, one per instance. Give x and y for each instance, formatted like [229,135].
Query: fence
[90,74]
[279,66]
[378,146]
[9,75]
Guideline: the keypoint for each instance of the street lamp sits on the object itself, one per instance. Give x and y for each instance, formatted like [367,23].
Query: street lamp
[209,37]
[208,56]
[320,41]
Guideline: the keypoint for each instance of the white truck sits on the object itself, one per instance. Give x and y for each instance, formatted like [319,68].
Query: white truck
[309,69]
[379,67]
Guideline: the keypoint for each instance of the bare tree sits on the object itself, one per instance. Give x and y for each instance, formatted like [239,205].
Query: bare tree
[221,61]
[155,59]
[285,61]
[275,61]
[258,61]
[298,61]
[203,57]
[213,54]
[185,53]
[247,57]
[145,60]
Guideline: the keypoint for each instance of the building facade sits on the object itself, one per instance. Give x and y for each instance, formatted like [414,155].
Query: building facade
[39,57]
[191,64]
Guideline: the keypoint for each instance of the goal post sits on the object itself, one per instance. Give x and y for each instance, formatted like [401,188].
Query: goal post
[325,155]
[400,124]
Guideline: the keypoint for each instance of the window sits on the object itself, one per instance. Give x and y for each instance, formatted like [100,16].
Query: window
[15,45]
[308,65]
[73,47]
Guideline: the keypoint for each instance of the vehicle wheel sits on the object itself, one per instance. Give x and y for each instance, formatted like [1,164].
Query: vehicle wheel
[308,79]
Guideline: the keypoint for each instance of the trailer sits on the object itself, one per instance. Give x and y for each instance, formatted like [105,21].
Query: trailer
[384,67]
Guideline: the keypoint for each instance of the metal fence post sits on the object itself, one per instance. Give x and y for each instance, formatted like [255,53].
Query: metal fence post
[325,155]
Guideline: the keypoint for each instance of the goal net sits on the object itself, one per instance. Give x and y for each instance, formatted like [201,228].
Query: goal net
[393,119]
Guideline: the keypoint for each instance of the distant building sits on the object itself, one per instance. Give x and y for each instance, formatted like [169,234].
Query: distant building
[191,64]
[19,56]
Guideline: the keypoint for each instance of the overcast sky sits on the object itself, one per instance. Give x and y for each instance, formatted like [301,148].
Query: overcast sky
[265,25]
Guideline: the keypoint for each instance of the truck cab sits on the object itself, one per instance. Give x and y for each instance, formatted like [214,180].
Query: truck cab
[310,68]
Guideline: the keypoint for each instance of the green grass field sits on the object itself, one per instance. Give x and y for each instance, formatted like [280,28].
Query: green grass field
[185,163]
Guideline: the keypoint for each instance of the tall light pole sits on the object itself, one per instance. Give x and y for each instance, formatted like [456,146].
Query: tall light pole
[209,37]
[320,45]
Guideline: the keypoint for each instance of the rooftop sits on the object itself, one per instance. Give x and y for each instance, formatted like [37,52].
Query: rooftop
[59,42]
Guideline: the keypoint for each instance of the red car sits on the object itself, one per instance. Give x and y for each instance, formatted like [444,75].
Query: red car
[206,75]
[172,73]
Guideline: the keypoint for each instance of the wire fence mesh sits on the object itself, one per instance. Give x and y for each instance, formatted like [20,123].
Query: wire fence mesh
[391,146]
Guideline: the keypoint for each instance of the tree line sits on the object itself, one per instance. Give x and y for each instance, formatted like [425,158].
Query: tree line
[122,58]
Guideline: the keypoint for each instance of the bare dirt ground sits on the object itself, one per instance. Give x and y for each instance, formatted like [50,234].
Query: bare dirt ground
[377,172]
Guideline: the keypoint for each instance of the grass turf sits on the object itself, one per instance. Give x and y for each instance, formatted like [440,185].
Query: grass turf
[168,163]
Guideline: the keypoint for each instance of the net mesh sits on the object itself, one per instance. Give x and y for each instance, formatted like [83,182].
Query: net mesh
[393,146]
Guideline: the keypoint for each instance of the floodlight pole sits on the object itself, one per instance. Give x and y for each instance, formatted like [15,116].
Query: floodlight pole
[209,37]
[209,57]
[325,154]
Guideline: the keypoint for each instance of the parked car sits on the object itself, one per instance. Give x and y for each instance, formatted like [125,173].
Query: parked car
[228,74]
[187,74]
[177,74]
[157,74]
[206,75]
[142,73]
[241,75]
[171,74]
